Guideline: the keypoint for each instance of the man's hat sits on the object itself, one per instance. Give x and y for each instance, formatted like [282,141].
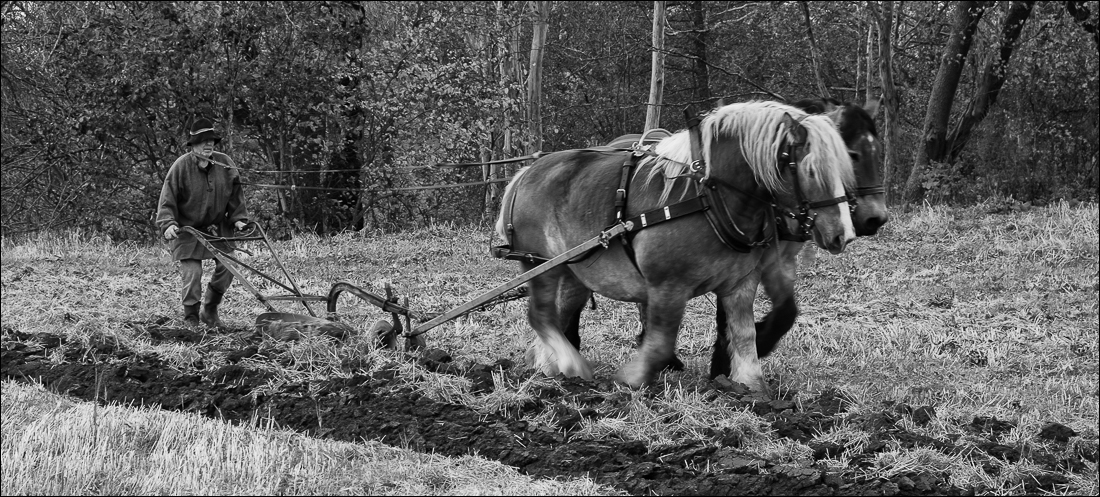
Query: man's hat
[202,130]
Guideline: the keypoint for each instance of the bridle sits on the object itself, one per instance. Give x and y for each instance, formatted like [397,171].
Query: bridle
[862,190]
[720,219]
[806,215]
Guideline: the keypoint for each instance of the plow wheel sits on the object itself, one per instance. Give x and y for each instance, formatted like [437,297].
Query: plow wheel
[388,335]
[385,333]
[351,305]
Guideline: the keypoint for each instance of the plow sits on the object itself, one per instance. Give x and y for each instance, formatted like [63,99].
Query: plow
[403,322]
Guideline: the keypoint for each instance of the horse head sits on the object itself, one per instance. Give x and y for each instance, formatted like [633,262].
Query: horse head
[857,128]
[856,125]
[814,163]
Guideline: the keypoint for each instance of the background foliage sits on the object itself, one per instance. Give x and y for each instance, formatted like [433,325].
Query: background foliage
[98,95]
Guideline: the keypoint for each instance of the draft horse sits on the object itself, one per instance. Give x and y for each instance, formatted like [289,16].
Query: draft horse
[856,126]
[744,159]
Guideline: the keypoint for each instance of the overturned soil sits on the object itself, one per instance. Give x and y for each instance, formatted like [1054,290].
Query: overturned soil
[381,407]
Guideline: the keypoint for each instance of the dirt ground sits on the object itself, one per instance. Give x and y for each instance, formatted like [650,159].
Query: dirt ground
[373,407]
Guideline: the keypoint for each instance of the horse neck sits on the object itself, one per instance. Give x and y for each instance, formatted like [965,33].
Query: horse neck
[746,199]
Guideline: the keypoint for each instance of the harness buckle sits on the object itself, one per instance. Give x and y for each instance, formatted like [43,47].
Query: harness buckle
[806,222]
[620,201]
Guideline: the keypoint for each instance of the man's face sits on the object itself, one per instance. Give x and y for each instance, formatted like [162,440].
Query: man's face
[204,149]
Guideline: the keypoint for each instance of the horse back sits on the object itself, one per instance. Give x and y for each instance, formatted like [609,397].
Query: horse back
[563,199]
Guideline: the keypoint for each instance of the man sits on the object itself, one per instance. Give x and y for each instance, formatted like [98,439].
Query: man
[202,190]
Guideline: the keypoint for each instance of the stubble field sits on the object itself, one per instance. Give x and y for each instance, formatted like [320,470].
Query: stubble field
[956,352]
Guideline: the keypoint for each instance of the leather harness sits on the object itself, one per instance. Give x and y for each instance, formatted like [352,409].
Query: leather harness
[716,211]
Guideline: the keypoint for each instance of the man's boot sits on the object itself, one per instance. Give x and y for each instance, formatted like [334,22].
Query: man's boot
[209,314]
[191,315]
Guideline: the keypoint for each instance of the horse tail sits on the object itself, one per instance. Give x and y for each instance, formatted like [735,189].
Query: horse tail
[507,201]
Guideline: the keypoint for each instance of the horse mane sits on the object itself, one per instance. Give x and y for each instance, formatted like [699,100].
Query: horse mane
[758,127]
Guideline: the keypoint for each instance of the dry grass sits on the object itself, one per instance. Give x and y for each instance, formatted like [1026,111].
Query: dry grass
[971,313]
[55,446]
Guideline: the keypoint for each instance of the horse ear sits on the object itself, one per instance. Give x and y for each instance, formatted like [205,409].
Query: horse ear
[836,115]
[873,106]
[795,130]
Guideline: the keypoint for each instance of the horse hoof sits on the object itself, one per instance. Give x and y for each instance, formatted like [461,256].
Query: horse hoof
[759,388]
[531,357]
[633,376]
[675,364]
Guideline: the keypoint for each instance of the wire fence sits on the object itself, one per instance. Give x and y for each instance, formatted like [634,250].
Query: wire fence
[401,189]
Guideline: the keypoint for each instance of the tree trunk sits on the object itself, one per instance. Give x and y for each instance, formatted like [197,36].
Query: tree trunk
[699,70]
[487,170]
[889,105]
[815,55]
[534,79]
[515,76]
[657,71]
[933,148]
[996,71]
[506,73]
[870,60]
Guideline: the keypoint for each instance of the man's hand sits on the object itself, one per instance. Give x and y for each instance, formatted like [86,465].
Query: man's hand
[240,225]
[170,232]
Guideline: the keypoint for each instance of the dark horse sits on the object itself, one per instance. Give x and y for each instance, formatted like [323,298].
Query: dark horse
[756,154]
[857,128]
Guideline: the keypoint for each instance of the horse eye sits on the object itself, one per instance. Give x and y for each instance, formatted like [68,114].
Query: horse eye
[854,155]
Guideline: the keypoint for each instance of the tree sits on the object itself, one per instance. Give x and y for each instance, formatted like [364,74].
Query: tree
[889,100]
[534,78]
[934,134]
[993,79]
[657,69]
[700,70]
[336,110]
[815,57]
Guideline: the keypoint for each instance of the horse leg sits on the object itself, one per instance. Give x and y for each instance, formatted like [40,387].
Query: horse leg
[778,280]
[572,330]
[777,275]
[744,364]
[571,305]
[720,357]
[664,312]
[673,365]
[551,307]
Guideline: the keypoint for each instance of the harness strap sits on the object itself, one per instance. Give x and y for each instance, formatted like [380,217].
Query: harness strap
[721,221]
[669,212]
[620,204]
[624,185]
[826,203]
[697,162]
[782,232]
[863,191]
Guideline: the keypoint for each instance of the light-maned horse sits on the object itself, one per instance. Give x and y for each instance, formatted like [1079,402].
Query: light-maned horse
[755,154]
[856,125]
